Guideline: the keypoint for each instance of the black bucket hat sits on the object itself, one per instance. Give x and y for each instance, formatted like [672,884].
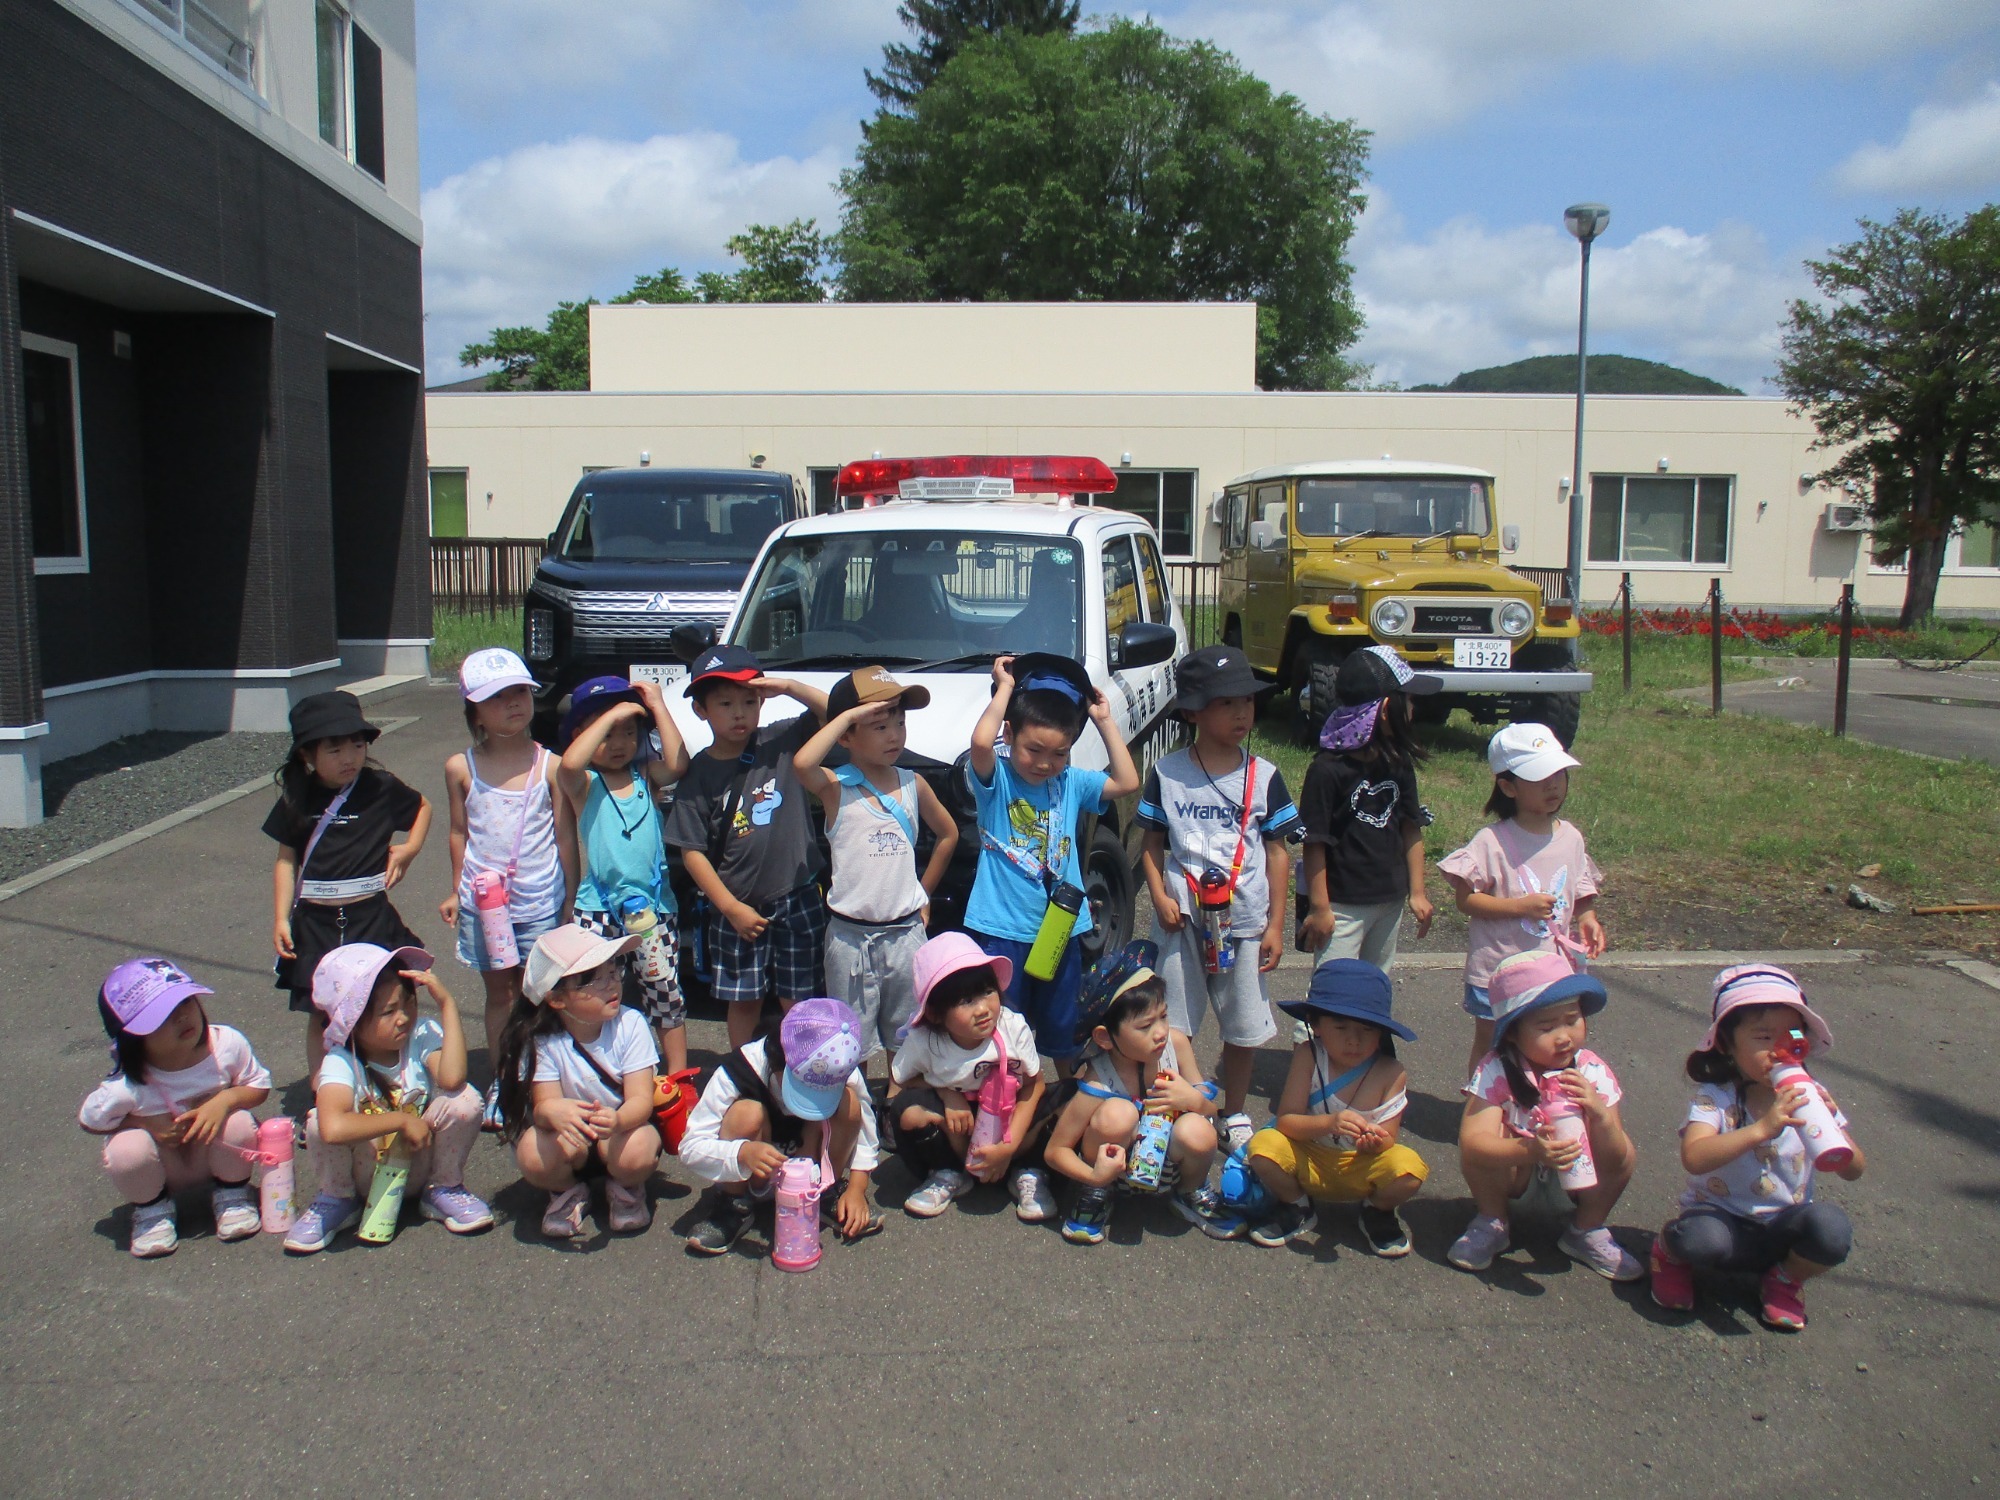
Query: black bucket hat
[330,716]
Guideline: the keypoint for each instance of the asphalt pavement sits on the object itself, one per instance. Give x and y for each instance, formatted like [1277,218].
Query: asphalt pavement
[970,1353]
[1952,715]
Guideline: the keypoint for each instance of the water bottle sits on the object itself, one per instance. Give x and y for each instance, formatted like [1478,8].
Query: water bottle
[1214,907]
[385,1193]
[1146,1160]
[1826,1143]
[496,923]
[1058,922]
[795,1241]
[1564,1118]
[642,922]
[276,1188]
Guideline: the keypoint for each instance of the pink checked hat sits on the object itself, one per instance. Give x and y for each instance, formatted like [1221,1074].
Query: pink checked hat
[1762,984]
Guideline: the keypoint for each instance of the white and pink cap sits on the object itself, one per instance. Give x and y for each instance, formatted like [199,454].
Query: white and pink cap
[346,978]
[486,672]
[1762,984]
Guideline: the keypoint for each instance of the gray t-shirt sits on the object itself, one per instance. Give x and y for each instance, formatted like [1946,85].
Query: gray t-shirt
[1202,817]
[768,848]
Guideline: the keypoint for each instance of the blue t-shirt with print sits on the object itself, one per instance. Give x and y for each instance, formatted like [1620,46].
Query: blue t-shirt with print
[1008,896]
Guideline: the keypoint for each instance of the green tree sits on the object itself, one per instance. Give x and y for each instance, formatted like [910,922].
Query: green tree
[942,27]
[1119,164]
[1898,365]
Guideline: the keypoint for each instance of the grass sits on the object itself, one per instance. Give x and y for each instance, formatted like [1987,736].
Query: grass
[456,636]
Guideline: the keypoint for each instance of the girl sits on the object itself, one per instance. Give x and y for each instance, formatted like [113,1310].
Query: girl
[176,1107]
[387,1074]
[798,1091]
[1539,1011]
[610,779]
[1524,880]
[961,1033]
[1748,1204]
[1345,1083]
[577,1074]
[504,821]
[1124,1073]
[335,821]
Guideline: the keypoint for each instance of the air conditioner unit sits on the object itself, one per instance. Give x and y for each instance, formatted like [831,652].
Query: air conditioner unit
[1845,517]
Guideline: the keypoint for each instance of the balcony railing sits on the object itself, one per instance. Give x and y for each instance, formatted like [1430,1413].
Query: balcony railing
[207,34]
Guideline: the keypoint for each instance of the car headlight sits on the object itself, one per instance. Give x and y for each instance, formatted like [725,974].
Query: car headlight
[1391,617]
[541,634]
[1516,618]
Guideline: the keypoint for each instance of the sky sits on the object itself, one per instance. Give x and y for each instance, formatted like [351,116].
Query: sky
[567,147]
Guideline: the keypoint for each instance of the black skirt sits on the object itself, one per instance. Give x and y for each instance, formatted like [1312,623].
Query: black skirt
[317,930]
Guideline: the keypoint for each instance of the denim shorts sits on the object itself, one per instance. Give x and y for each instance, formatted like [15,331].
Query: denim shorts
[1476,1004]
[472,943]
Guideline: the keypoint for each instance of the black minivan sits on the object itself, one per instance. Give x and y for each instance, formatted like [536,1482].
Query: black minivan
[636,553]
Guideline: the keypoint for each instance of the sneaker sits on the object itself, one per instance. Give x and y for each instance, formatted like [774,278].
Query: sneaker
[1673,1281]
[1088,1217]
[1784,1303]
[490,1121]
[460,1211]
[1200,1206]
[723,1227]
[236,1215]
[937,1192]
[153,1229]
[1236,1133]
[1385,1231]
[1033,1202]
[324,1217]
[1603,1254]
[563,1218]
[1483,1239]
[630,1212]
[1287,1222]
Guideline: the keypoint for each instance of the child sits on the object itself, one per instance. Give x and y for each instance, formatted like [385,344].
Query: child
[176,1107]
[877,906]
[506,820]
[1125,1073]
[1748,1204]
[335,821]
[577,1074]
[1340,1114]
[1525,880]
[605,740]
[740,822]
[1364,853]
[387,1074]
[796,1092]
[961,1035]
[1217,817]
[1539,1011]
[1030,804]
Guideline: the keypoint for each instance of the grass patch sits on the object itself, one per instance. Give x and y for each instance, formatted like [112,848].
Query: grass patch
[456,636]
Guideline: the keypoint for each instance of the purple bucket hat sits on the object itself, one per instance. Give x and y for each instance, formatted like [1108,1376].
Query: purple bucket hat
[1762,984]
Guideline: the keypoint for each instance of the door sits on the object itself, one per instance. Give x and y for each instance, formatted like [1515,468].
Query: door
[1268,577]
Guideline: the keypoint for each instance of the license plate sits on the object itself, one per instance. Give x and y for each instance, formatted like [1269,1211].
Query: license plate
[667,673]
[1477,653]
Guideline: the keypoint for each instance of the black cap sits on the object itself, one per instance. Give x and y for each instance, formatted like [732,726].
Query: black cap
[1044,671]
[1376,672]
[736,663]
[330,716]
[1211,672]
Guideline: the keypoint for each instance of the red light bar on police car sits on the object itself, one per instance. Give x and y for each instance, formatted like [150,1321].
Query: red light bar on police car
[976,477]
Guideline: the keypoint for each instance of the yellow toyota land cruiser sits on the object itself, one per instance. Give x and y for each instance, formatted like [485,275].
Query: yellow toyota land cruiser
[1321,559]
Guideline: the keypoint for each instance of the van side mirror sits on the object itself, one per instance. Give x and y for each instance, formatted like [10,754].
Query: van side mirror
[550,544]
[1143,643]
[690,640]
[1510,539]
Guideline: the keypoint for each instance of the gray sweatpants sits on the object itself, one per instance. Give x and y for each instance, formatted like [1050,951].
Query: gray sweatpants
[873,969]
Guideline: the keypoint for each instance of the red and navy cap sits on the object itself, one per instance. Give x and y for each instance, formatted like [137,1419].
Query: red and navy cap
[732,663]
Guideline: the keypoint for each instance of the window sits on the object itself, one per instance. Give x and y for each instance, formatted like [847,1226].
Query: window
[1393,507]
[1236,530]
[1974,548]
[218,30]
[1158,607]
[448,502]
[1121,587]
[1650,520]
[1271,506]
[1165,498]
[826,498]
[51,402]
[350,89]
[330,39]
[369,149]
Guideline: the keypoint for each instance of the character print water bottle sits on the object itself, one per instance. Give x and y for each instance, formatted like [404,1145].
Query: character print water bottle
[496,923]
[640,919]
[1564,1117]
[276,1189]
[795,1242]
[1213,906]
[1826,1143]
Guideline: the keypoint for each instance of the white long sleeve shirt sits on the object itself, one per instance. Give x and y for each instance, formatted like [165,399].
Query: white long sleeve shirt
[708,1156]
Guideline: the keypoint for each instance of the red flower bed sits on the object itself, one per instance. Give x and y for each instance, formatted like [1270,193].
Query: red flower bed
[1756,625]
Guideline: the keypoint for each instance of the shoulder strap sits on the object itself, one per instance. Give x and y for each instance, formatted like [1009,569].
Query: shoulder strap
[731,800]
[853,776]
[616,1085]
[1331,1090]
[325,821]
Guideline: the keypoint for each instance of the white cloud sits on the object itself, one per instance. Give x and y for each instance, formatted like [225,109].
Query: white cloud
[1944,149]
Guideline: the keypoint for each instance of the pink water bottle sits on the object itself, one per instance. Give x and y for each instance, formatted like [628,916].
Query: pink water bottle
[1826,1143]
[275,1191]
[1564,1118]
[795,1244]
[496,924]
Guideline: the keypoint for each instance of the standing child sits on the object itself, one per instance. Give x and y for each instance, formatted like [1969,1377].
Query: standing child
[740,822]
[610,778]
[1031,804]
[1525,881]
[176,1107]
[1749,1204]
[1217,819]
[336,820]
[1540,1008]
[877,906]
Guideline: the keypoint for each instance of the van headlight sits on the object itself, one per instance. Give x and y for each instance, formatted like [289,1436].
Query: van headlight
[1516,618]
[1391,617]
[541,634]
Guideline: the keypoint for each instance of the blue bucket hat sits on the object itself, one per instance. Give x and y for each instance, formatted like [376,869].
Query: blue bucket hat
[1349,987]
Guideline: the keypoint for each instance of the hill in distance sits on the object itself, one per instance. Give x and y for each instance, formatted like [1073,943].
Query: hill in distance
[1610,375]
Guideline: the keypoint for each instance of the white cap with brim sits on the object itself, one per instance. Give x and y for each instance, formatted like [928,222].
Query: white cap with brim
[490,671]
[565,950]
[1528,752]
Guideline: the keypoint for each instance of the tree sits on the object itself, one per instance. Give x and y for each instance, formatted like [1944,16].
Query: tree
[1114,165]
[1899,365]
[1610,375]
[943,26]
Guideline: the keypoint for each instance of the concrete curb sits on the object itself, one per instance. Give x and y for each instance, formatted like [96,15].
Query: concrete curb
[1973,968]
[1666,958]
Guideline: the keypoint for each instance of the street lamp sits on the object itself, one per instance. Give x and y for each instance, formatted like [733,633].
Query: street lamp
[1586,221]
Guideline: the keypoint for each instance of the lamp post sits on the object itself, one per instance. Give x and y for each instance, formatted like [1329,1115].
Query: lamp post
[1586,221]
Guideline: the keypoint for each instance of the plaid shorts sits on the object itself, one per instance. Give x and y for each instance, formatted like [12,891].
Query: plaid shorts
[662,1002]
[792,950]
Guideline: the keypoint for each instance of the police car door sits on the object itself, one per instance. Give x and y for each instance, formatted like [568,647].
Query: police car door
[1147,692]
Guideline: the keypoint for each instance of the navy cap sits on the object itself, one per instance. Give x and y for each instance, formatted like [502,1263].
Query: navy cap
[733,663]
[1211,672]
[590,699]
[1349,987]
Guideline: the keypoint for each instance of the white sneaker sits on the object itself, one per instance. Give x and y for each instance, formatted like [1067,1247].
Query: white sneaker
[153,1231]
[1033,1202]
[938,1192]
[236,1215]
[1236,1133]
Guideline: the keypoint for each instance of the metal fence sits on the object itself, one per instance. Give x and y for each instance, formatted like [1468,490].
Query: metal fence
[1197,586]
[482,574]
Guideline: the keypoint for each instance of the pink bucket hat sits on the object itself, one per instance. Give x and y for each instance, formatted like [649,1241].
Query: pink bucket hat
[953,953]
[346,978]
[1762,984]
[1534,981]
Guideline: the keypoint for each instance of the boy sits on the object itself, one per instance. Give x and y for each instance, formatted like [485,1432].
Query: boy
[1217,814]
[877,907]
[1030,803]
[739,820]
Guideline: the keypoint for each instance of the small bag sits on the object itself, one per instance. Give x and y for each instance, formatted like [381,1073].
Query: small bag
[674,1098]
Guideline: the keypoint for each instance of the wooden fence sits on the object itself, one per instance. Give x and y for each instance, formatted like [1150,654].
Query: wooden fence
[482,574]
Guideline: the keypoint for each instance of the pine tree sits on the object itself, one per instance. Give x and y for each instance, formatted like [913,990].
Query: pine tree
[941,28]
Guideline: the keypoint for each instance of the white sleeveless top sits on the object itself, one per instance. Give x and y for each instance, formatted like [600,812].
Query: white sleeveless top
[874,855]
[493,818]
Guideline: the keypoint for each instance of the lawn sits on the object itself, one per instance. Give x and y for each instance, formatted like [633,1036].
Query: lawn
[456,636]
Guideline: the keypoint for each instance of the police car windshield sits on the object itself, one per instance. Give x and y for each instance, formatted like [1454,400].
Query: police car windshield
[646,518]
[949,597]
[1414,507]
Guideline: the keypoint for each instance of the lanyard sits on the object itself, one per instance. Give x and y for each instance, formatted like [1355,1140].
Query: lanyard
[1242,829]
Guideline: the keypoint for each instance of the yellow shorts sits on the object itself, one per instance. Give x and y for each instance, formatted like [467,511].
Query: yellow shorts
[1336,1176]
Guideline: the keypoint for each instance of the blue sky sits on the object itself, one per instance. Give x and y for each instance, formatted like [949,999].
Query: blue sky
[568,147]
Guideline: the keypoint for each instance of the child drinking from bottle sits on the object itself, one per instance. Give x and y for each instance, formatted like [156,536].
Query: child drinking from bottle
[1217,820]
[797,1092]
[877,905]
[176,1106]
[335,822]
[1526,882]
[1340,1114]
[964,1058]
[1539,1067]
[610,779]
[1749,1204]
[390,1081]
[1137,1117]
[577,1077]
[1027,904]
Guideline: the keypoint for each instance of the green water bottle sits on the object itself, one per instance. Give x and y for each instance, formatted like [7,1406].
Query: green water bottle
[385,1193]
[1058,922]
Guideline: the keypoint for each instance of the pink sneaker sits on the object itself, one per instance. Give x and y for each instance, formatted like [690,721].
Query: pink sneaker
[1784,1303]
[629,1212]
[1673,1281]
